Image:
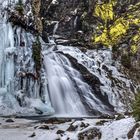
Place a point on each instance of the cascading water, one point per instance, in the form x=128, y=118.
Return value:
x=22, y=92
x=63, y=95
x=64, y=82
x=117, y=86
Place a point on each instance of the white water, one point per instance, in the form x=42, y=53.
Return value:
x=63, y=95
x=117, y=86
x=63, y=84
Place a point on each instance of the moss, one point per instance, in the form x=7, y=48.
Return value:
x=118, y=29
x=134, y=49
x=135, y=43
x=114, y=28
x=136, y=21
x=105, y=11
x=103, y=38
x=37, y=54
x=112, y=35
x=136, y=37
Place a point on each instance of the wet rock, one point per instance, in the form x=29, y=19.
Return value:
x=132, y=131
x=55, y=121
x=84, y=125
x=105, y=116
x=9, y=120
x=102, y=122
x=60, y=132
x=32, y=135
x=72, y=127
x=78, y=119
x=35, y=127
x=21, y=21
x=44, y=127
x=120, y=116
x=91, y=134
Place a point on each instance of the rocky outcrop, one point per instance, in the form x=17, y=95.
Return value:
x=90, y=134
x=130, y=134
x=21, y=21
x=69, y=15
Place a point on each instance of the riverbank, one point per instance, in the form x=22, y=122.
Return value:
x=68, y=129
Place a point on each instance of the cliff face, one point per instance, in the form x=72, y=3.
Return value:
x=69, y=14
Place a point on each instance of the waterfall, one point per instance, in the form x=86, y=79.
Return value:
x=63, y=84
x=59, y=89
x=63, y=95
